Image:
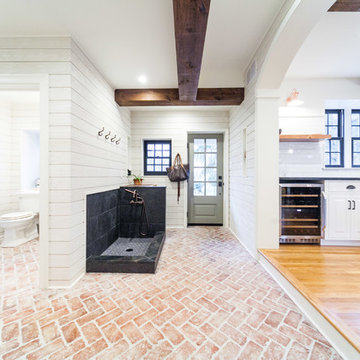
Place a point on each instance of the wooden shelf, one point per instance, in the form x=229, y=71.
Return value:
x=304, y=138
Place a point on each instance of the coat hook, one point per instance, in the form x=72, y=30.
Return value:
x=118, y=141
x=108, y=135
x=113, y=138
x=100, y=133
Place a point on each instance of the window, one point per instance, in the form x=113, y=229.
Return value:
x=355, y=138
x=205, y=167
x=334, y=147
x=157, y=156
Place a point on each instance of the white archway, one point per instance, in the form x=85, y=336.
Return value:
x=292, y=26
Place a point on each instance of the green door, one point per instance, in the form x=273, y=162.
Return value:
x=205, y=195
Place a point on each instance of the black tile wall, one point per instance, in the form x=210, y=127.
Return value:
x=110, y=215
x=130, y=215
x=102, y=221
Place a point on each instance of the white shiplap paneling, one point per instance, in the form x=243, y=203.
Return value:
x=81, y=103
x=173, y=125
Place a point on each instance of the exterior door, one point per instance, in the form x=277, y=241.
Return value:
x=205, y=202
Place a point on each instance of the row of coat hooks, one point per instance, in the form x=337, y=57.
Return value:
x=109, y=136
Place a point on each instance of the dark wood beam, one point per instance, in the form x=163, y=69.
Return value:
x=170, y=97
x=190, y=20
x=346, y=5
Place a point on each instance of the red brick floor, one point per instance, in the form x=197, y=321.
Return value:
x=208, y=300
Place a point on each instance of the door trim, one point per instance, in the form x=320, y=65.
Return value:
x=225, y=133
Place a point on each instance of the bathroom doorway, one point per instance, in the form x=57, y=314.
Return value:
x=24, y=167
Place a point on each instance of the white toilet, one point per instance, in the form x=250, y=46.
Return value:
x=22, y=226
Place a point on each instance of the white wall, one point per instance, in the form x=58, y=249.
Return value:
x=172, y=124
x=22, y=117
x=242, y=180
x=5, y=162
x=307, y=159
x=81, y=103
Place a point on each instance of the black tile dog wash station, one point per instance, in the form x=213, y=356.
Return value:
x=125, y=229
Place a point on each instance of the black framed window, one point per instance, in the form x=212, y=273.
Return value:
x=355, y=138
x=334, y=147
x=157, y=156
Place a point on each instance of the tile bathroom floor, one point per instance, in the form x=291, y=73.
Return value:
x=209, y=299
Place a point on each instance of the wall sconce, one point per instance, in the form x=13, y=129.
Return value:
x=293, y=99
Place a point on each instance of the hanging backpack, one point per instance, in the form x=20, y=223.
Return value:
x=178, y=172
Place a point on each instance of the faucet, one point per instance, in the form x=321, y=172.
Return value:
x=136, y=199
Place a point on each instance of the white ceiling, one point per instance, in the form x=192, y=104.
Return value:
x=331, y=50
x=127, y=38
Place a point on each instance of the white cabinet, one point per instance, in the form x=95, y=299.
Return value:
x=342, y=211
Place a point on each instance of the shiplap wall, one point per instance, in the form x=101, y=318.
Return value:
x=243, y=185
x=173, y=125
x=5, y=162
x=242, y=180
x=81, y=103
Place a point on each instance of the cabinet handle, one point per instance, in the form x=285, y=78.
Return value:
x=351, y=187
x=354, y=205
x=349, y=208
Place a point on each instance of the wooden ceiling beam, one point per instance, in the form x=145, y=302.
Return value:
x=170, y=97
x=190, y=20
x=346, y=5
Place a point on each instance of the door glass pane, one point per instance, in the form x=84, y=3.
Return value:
x=199, y=189
x=166, y=162
x=166, y=153
x=199, y=160
x=150, y=161
x=158, y=153
x=166, y=147
x=150, y=146
x=199, y=145
x=157, y=168
x=211, y=174
x=211, y=189
x=211, y=145
x=158, y=161
x=158, y=146
x=150, y=168
x=211, y=160
x=199, y=174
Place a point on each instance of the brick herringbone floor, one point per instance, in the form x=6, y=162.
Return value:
x=208, y=299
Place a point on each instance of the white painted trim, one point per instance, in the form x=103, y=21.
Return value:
x=342, y=346
x=243, y=244
x=41, y=81
x=339, y=243
x=68, y=286
x=226, y=203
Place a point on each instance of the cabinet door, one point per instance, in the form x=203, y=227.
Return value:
x=355, y=218
x=338, y=216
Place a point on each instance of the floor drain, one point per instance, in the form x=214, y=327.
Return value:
x=128, y=250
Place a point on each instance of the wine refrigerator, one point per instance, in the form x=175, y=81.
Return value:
x=301, y=213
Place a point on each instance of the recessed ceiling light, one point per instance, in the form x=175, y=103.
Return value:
x=142, y=79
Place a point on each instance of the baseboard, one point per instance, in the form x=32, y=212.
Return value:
x=342, y=346
x=339, y=243
x=252, y=254
x=67, y=286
